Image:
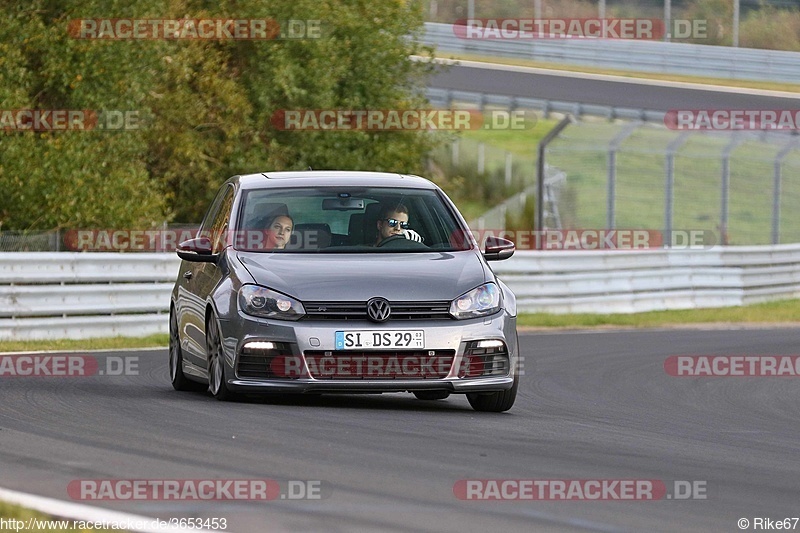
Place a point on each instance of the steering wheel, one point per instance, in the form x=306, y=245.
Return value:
x=393, y=238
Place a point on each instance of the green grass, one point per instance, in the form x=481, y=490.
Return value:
x=111, y=343
x=9, y=511
x=472, y=209
x=518, y=142
x=475, y=194
x=746, y=84
x=782, y=311
x=581, y=151
x=522, y=144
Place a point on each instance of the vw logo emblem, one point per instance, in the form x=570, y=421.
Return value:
x=378, y=310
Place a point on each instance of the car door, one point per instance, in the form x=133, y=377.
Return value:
x=197, y=280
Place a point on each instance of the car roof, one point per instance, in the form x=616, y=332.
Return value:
x=323, y=178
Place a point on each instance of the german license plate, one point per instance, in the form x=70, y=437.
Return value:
x=360, y=339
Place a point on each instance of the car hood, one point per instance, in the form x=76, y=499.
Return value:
x=359, y=277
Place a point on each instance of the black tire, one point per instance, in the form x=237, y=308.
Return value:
x=431, y=395
x=179, y=380
x=494, y=402
x=216, y=363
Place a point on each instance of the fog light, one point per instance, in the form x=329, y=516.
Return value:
x=258, y=346
x=490, y=344
x=483, y=358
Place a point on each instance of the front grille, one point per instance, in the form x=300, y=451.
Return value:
x=388, y=364
x=484, y=361
x=432, y=310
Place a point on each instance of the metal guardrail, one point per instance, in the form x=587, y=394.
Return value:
x=446, y=97
x=52, y=295
x=636, y=281
x=81, y=295
x=636, y=55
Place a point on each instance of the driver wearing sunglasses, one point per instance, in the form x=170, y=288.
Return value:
x=393, y=221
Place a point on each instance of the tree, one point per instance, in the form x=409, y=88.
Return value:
x=204, y=106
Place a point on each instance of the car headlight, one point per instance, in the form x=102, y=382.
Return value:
x=480, y=301
x=266, y=303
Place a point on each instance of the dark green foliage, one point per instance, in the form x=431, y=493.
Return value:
x=205, y=105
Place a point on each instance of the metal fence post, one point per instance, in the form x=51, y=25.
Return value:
x=725, y=188
x=454, y=154
x=611, y=188
x=669, y=187
x=552, y=134
x=776, y=190
x=508, y=169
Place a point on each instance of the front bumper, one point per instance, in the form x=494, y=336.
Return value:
x=315, y=336
x=458, y=386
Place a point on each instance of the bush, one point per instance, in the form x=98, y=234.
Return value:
x=771, y=29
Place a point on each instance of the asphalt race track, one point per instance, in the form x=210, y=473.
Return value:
x=598, y=90
x=594, y=405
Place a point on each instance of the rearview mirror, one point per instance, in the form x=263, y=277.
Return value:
x=498, y=248
x=197, y=250
x=343, y=204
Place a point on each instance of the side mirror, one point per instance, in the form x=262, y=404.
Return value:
x=498, y=248
x=197, y=250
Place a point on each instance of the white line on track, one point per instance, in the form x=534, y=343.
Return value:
x=99, y=350
x=82, y=512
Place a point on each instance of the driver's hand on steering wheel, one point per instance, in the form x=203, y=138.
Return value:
x=412, y=235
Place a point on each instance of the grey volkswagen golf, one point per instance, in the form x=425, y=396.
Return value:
x=322, y=282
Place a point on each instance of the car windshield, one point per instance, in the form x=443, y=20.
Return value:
x=348, y=220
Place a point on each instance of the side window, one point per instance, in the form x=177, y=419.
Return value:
x=213, y=210
x=219, y=224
